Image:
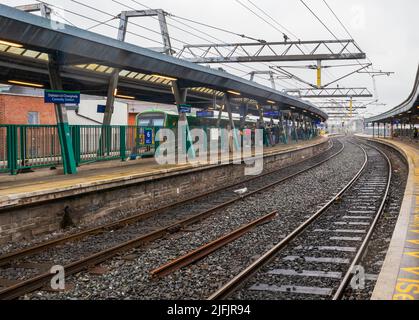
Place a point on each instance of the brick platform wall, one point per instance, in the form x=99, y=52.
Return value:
x=27, y=222
x=14, y=109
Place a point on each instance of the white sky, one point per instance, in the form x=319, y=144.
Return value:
x=385, y=29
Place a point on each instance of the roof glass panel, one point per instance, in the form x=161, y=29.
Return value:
x=92, y=66
x=102, y=68
x=43, y=56
x=31, y=53
x=124, y=73
x=15, y=50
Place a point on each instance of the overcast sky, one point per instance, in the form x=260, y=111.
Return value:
x=385, y=29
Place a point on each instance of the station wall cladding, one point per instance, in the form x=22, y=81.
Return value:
x=127, y=197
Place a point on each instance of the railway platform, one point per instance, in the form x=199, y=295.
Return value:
x=399, y=277
x=101, y=189
x=14, y=189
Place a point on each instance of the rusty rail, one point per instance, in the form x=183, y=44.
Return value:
x=208, y=248
x=9, y=257
x=40, y=280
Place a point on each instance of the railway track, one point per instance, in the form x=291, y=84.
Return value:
x=27, y=270
x=319, y=258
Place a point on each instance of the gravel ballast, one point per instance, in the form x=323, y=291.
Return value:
x=128, y=276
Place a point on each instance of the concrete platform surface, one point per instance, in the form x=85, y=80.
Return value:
x=42, y=186
x=399, y=277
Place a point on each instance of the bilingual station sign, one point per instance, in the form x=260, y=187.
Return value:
x=61, y=96
x=205, y=114
x=271, y=114
x=185, y=108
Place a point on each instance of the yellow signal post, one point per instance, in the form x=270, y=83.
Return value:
x=319, y=73
x=350, y=108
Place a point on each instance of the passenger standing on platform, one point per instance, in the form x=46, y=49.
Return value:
x=415, y=133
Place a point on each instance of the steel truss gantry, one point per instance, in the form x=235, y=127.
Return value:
x=272, y=51
x=331, y=92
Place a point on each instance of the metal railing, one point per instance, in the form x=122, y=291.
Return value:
x=35, y=146
x=23, y=147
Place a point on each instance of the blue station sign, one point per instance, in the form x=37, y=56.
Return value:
x=61, y=96
x=271, y=114
x=101, y=108
x=205, y=114
x=185, y=108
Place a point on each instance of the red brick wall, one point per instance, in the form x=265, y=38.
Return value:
x=15, y=109
x=1, y=109
x=131, y=119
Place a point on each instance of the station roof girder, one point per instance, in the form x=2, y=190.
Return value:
x=76, y=47
x=409, y=109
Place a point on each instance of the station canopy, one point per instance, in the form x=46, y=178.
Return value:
x=87, y=61
x=406, y=112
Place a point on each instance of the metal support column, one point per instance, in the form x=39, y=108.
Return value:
x=262, y=126
x=113, y=81
x=319, y=73
x=220, y=113
x=244, y=109
x=294, y=129
x=284, y=127
x=384, y=130
x=236, y=143
x=180, y=98
x=391, y=129
x=67, y=152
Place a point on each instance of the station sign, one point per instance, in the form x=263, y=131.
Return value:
x=271, y=114
x=205, y=114
x=148, y=136
x=61, y=96
x=242, y=111
x=185, y=108
x=101, y=108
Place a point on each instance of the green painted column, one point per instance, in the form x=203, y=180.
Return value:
x=180, y=98
x=11, y=142
x=67, y=152
x=123, y=142
x=236, y=143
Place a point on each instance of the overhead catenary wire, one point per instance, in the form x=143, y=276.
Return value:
x=349, y=33
x=206, y=25
x=135, y=24
x=171, y=15
x=260, y=17
x=173, y=38
x=274, y=20
x=279, y=24
x=106, y=23
x=97, y=21
x=101, y=23
x=327, y=28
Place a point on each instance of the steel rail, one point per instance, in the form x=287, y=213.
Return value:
x=208, y=248
x=340, y=291
x=239, y=280
x=6, y=258
x=37, y=282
